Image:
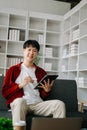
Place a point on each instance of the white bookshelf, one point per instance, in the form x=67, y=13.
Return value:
x=17, y=26
x=74, y=47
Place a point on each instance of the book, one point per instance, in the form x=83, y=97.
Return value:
x=45, y=78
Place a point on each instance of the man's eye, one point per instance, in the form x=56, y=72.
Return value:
x=29, y=49
x=35, y=50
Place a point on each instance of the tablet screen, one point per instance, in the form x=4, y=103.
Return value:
x=46, y=77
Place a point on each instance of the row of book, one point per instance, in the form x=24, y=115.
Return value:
x=66, y=67
x=40, y=38
x=13, y=61
x=82, y=82
x=14, y=34
x=75, y=34
x=73, y=50
x=48, y=52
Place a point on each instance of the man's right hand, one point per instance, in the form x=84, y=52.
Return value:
x=25, y=81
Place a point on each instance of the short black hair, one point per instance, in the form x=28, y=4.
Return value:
x=33, y=43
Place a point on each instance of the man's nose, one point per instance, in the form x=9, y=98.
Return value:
x=32, y=52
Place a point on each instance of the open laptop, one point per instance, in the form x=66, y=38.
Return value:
x=56, y=123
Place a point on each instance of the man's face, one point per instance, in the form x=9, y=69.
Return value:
x=30, y=53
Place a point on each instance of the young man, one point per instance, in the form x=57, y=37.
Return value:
x=18, y=89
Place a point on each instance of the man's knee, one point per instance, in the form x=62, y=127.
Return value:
x=19, y=102
x=60, y=105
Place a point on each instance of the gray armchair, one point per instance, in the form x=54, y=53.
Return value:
x=65, y=90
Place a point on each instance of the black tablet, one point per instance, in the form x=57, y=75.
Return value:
x=46, y=77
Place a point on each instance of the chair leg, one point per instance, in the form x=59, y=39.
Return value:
x=81, y=106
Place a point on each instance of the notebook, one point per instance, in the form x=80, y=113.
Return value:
x=56, y=123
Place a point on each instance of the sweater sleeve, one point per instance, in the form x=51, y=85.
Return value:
x=9, y=86
x=44, y=94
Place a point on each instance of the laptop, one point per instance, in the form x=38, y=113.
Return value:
x=56, y=123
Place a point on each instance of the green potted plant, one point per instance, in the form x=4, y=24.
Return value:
x=36, y=61
x=5, y=123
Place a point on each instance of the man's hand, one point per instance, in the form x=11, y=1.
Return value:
x=25, y=81
x=47, y=86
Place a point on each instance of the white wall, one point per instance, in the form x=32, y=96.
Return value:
x=45, y=6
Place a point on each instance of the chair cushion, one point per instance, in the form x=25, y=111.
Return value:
x=65, y=90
